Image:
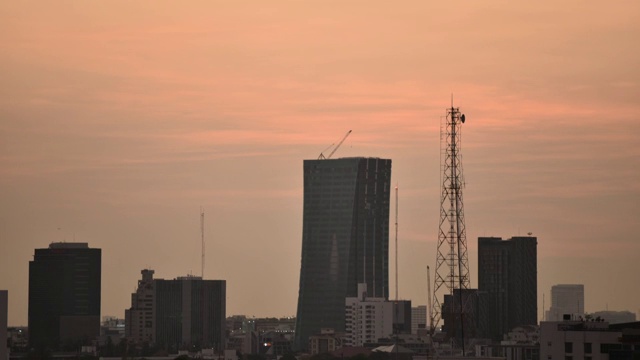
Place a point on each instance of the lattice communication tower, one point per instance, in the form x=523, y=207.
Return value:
x=452, y=264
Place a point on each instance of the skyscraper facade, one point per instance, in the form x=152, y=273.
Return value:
x=507, y=284
x=64, y=296
x=345, y=239
x=566, y=299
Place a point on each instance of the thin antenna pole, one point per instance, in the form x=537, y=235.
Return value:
x=396, y=242
x=202, y=236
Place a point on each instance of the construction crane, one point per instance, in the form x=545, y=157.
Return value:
x=322, y=157
x=429, y=326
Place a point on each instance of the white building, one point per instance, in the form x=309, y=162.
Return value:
x=566, y=299
x=367, y=319
x=589, y=340
x=418, y=318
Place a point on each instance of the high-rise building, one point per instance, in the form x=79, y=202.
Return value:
x=566, y=299
x=507, y=284
x=64, y=296
x=345, y=239
x=173, y=314
x=4, y=312
x=139, y=325
x=367, y=318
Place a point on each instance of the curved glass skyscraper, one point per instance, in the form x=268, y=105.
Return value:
x=345, y=239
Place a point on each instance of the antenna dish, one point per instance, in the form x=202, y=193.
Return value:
x=462, y=118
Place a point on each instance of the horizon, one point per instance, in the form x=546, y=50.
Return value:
x=120, y=121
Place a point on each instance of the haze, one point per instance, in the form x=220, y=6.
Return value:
x=119, y=120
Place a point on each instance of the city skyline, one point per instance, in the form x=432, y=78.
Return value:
x=119, y=121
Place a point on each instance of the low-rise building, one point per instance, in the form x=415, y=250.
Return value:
x=589, y=340
x=325, y=342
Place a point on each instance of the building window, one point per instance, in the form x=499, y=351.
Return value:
x=568, y=348
x=587, y=348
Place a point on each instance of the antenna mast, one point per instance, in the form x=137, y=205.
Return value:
x=396, y=242
x=202, y=236
x=452, y=265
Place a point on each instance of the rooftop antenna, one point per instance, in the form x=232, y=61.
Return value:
x=202, y=236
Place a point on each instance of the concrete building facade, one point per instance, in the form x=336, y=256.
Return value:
x=367, y=319
x=589, y=340
x=507, y=285
x=64, y=296
x=566, y=299
x=324, y=342
x=183, y=313
x=345, y=239
x=139, y=320
x=418, y=318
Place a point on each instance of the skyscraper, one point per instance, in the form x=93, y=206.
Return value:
x=566, y=299
x=183, y=312
x=507, y=284
x=64, y=296
x=345, y=239
x=4, y=308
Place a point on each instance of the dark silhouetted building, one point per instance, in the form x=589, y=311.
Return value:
x=64, y=296
x=402, y=323
x=4, y=313
x=183, y=313
x=507, y=285
x=345, y=239
x=455, y=326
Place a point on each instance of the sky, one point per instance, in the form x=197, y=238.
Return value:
x=120, y=120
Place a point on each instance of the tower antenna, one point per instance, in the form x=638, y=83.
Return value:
x=396, y=242
x=202, y=236
x=452, y=265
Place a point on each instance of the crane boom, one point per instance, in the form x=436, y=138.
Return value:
x=429, y=315
x=340, y=143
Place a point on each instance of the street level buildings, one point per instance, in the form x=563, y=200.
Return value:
x=507, y=285
x=592, y=340
x=184, y=313
x=345, y=239
x=64, y=296
x=566, y=299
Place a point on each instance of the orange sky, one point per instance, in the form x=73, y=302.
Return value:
x=118, y=120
